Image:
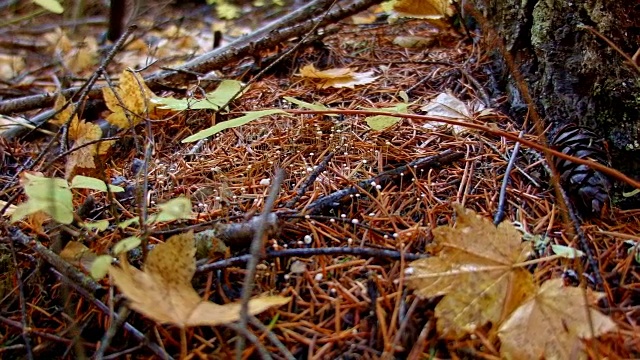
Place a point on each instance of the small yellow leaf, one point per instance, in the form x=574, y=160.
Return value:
x=63, y=116
x=338, y=77
x=428, y=9
x=551, y=324
x=135, y=96
x=163, y=291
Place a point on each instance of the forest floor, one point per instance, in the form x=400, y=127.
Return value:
x=341, y=244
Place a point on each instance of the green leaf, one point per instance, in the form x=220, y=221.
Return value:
x=50, y=5
x=85, y=182
x=248, y=117
x=631, y=193
x=212, y=101
x=100, y=225
x=100, y=266
x=306, y=105
x=125, y=224
x=566, y=251
x=126, y=245
x=51, y=195
x=381, y=122
x=174, y=209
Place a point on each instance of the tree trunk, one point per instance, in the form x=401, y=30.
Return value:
x=573, y=75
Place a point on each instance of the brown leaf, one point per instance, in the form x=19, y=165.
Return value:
x=337, y=78
x=476, y=269
x=163, y=291
x=551, y=324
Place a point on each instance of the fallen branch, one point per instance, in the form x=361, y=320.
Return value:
x=270, y=36
x=333, y=200
x=355, y=251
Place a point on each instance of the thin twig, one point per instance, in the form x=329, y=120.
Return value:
x=111, y=331
x=329, y=251
x=157, y=350
x=310, y=180
x=584, y=244
x=246, y=334
x=333, y=199
x=257, y=249
x=55, y=260
x=23, y=306
x=500, y=213
x=272, y=337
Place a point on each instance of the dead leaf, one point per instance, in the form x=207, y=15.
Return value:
x=427, y=9
x=337, y=77
x=79, y=255
x=10, y=66
x=163, y=290
x=475, y=269
x=447, y=106
x=63, y=116
x=135, y=96
x=551, y=324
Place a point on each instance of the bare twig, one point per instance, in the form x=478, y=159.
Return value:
x=499, y=216
x=257, y=248
x=359, y=251
x=271, y=336
x=23, y=306
x=157, y=350
x=309, y=181
x=334, y=198
x=56, y=261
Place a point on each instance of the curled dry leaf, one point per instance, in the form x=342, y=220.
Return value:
x=551, y=324
x=476, y=271
x=337, y=78
x=163, y=291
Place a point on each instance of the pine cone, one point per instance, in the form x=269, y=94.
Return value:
x=588, y=188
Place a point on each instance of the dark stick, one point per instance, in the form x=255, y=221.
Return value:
x=312, y=177
x=333, y=199
x=584, y=244
x=111, y=331
x=128, y=327
x=23, y=306
x=499, y=216
x=68, y=270
x=359, y=251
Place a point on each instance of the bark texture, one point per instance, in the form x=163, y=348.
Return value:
x=573, y=75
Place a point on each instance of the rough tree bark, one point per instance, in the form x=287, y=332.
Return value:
x=573, y=75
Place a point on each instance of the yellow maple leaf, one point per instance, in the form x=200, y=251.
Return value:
x=163, y=291
x=135, y=96
x=477, y=270
x=337, y=77
x=551, y=324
